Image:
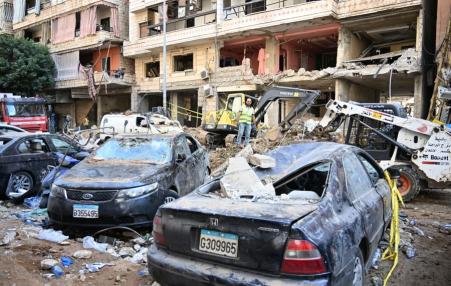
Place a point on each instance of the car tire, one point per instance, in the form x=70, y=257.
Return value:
x=358, y=278
x=172, y=196
x=408, y=183
x=21, y=180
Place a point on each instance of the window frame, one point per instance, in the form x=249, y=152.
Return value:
x=174, y=60
x=353, y=195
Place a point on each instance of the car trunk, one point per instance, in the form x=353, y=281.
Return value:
x=260, y=228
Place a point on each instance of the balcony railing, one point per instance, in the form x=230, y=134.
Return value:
x=147, y=30
x=256, y=6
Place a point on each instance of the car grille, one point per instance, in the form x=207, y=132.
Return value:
x=97, y=196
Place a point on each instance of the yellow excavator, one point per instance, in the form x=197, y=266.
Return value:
x=221, y=123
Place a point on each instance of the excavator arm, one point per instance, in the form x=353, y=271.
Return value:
x=307, y=98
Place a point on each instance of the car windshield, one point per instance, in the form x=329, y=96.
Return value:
x=25, y=109
x=146, y=150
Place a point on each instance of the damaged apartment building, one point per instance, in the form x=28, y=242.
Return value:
x=367, y=51
x=85, y=39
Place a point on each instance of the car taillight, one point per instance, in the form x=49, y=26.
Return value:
x=302, y=258
x=157, y=231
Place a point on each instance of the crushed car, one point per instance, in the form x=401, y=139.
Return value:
x=26, y=158
x=321, y=227
x=126, y=179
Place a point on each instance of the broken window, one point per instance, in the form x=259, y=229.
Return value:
x=153, y=69
x=254, y=6
x=33, y=146
x=181, y=147
x=357, y=180
x=62, y=146
x=370, y=168
x=191, y=144
x=106, y=64
x=77, y=24
x=183, y=62
x=308, y=183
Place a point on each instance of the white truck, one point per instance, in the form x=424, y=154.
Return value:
x=137, y=123
x=421, y=149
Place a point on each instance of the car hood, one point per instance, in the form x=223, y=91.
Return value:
x=112, y=174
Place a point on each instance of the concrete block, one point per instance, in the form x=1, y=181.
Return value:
x=262, y=161
x=240, y=180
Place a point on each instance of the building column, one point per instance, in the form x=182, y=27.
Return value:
x=349, y=46
x=138, y=102
x=418, y=96
x=342, y=89
x=173, y=98
x=99, y=109
x=272, y=50
x=219, y=11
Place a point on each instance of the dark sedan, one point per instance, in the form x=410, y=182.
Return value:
x=331, y=208
x=126, y=180
x=25, y=159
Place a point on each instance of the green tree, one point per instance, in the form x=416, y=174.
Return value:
x=26, y=68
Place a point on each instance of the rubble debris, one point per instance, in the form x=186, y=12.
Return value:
x=82, y=254
x=376, y=281
x=52, y=235
x=262, y=161
x=445, y=228
x=96, y=266
x=89, y=242
x=240, y=180
x=376, y=259
x=48, y=263
x=245, y=153
x=126, y=251
x=9, y=237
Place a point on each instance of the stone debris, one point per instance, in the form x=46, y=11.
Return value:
x=240, y=180
x=48, y=263
x=262, y=161
x=126, y=251
x=82, y=254
x=9, y=237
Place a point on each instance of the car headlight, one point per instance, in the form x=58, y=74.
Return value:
x=56, y=191
x=136, y=192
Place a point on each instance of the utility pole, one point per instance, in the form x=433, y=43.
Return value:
x=164, y=54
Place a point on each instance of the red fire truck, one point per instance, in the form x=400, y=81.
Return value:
x=28, y=113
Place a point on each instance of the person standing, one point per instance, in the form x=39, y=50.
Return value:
x=245, y=119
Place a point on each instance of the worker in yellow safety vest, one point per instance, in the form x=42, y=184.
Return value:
x=245, y=119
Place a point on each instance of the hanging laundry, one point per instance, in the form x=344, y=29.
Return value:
x=88, y=72
x=66, y=65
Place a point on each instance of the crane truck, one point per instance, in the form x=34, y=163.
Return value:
x=421, y=149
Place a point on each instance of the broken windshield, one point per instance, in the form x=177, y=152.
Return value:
x=25, y=109
x=147, y=150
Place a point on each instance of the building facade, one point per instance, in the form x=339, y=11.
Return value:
x=6, y=17
x=85, y=39
x=349, y=49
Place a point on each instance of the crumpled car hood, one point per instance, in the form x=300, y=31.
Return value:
x=111, y=175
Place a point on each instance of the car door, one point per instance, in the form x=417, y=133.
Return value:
x=200, y=161
x=184, y=162
x=380, y=184
x=34, y=159
x=364, y=197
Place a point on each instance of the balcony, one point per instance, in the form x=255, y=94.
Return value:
x=126, y=80
x=351, y=8
x=49, y=11
x=195, y=27
x=259, y=14
x=77, y=43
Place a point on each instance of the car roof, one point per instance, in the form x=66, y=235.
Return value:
x=295, y=156
x=144, y=136
x=18, y=135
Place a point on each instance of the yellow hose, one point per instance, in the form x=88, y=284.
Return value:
x=393, y=247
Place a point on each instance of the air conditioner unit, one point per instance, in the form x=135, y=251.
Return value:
x=204, y=74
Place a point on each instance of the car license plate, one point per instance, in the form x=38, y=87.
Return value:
x=220, y=243
x=86, y=211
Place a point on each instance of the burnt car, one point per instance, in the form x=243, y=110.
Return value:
x=322, y=226
x=25, y=158
x=126, y=179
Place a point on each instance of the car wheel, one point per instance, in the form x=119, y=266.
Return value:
x=172, y=196
x=358, y=270
x=408, y=183
x=22, y=184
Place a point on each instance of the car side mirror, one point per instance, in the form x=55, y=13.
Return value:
x=180, y=158
x=394, y=173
